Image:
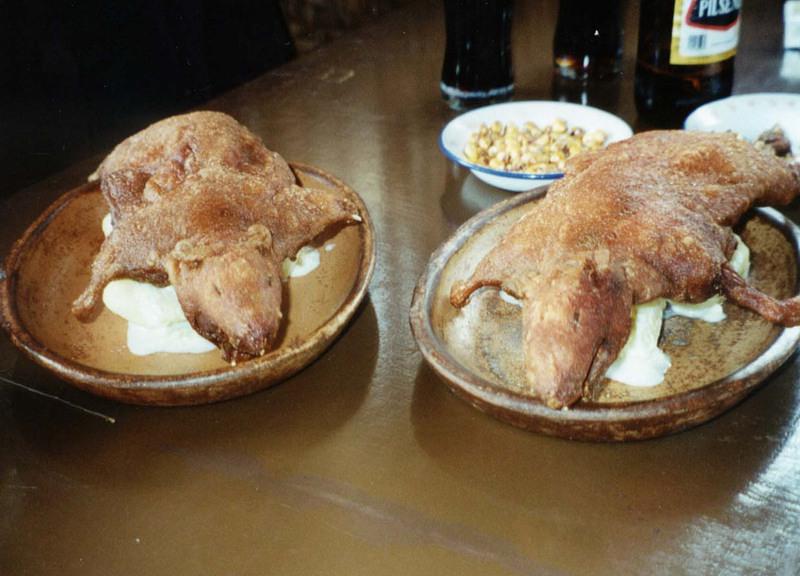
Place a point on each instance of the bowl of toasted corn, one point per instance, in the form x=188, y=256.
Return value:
x=519, y=146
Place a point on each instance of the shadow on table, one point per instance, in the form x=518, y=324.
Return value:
x=687, y=474
x=264, y=428
x=464, y=195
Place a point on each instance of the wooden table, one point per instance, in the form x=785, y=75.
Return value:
x=364, y=463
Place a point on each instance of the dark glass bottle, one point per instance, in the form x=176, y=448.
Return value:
x=685, y=58
x=588, y=38
x=477, y=59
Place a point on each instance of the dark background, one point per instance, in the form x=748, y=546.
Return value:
x=79, y=76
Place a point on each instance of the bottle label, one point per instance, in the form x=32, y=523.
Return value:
x=704, y=31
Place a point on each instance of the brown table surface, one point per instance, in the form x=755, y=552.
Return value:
x=364, y=463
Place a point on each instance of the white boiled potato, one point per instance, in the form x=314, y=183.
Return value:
x=176, y=338
x=641, y=362
x=142, y=303
x=305, y=262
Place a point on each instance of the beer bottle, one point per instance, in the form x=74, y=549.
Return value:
x=588, y=39
x=685, y=56
x=477, y=58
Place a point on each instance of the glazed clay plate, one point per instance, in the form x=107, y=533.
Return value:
x=477, y=350
x=49, y=266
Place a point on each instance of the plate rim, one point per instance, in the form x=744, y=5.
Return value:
x=710, y=106
x=587, y=421
x=240, y=379
x=549, y=176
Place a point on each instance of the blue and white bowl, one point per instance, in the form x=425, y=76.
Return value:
x=457, y=132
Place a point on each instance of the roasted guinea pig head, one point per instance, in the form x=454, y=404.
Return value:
x=645, y=218
x=197, y=201
x=241, y=275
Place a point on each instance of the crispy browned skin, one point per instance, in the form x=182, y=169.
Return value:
x=645, y=218
x=154, y=161
x=199, y=202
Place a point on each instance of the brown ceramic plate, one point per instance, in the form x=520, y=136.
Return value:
x=477, y=350
x=49, y=266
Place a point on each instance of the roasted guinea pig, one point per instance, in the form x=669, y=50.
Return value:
x=198, y=201
x=645, y=218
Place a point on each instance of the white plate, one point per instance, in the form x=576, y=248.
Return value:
x=457, y=132
x=750, y=115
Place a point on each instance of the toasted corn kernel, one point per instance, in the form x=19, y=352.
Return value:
x=530, y=148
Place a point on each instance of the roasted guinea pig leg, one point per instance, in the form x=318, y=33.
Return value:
x=220, y=239
x=645, y=218
x=784, y=312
